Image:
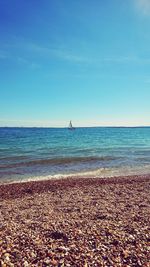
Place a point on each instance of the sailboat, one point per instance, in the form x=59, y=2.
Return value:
x=71, y=126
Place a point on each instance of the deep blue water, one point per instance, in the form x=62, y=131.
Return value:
x=39, y=153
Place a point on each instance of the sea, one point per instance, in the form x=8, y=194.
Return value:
x=28, y=154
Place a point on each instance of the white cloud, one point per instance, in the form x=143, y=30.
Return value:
x=143, y=6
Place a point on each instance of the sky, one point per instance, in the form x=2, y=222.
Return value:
x=85, y=61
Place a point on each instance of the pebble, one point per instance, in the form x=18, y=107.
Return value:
x=25, y=264
x=44, y=230
x=65, y=249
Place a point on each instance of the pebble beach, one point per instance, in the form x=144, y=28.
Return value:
x=76, y=222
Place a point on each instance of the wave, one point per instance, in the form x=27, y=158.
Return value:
x=58, y=161
x=97, y=173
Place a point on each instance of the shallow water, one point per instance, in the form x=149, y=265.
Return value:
x=40, y=153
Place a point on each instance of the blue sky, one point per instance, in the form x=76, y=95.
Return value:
x=84, y=60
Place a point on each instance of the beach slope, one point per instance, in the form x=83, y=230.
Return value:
x=76, y=222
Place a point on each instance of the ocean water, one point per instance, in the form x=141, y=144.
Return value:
x=45, y=153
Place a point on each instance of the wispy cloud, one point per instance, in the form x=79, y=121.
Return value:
x=120, y=59
x=27, y=62
x=38, y=51
x=66, y=54
x=127, y=60
x=22, y=60
x=59, y=52
x=31, y=54
x=143, y=6
x=62, y=53
x=9, y=54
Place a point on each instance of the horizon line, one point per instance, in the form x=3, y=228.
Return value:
x=97, y=126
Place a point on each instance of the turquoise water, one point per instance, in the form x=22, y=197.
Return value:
x=41, y=153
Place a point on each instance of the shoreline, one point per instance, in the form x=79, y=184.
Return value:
x=100, y=173
x=76, y=222
x=18, y=189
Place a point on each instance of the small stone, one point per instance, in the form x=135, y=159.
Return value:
x=6, y=255
x=3, y=264
x=25, y=264
x=62, y=248
x=33, y=255
x=47, y=261
x=53, y=262
x=61, y=261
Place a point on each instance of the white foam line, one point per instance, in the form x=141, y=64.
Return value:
x=99, y=173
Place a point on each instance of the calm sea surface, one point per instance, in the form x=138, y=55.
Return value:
x=41, y=153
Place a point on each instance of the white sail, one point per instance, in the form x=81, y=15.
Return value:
x=71, y=126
